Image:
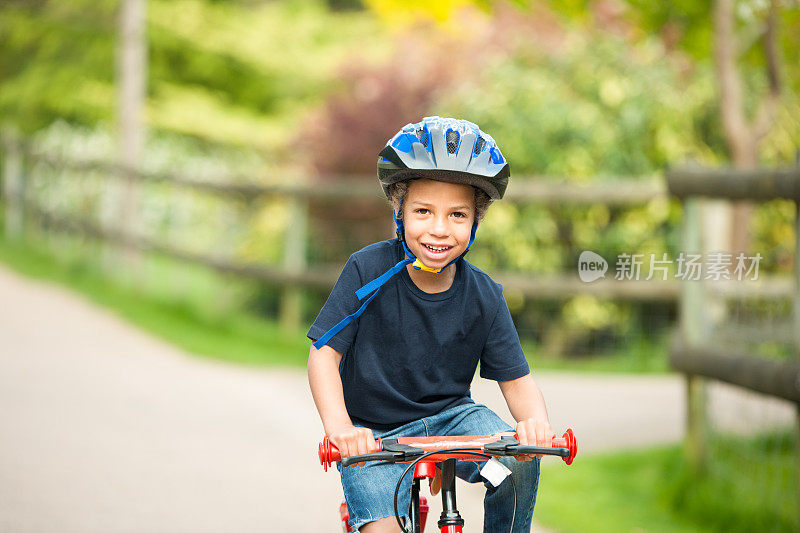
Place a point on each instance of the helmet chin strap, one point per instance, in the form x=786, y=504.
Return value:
x=375, y=285
x=419, y=265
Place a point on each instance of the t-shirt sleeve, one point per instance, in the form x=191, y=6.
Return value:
x=502, y=358
x=341, y=302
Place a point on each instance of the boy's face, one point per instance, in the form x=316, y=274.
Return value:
x=438, y=219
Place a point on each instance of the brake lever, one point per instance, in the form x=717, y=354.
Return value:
x=392, y=451
x=375, y=456
x=510, y=446
x=501, y=447
x=537, y=450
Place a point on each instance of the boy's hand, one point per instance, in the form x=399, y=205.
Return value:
x=353, y=440
x=533, y=432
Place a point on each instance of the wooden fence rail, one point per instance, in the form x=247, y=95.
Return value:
x=525, y=189
x=735, y=184
x=546, y=287
x=295, y=273
x=768, y=376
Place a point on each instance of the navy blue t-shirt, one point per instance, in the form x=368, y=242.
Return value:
x=413, y=354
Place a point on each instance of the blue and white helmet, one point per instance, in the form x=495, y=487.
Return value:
x=444, y=149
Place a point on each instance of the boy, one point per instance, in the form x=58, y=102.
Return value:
x=404, y=366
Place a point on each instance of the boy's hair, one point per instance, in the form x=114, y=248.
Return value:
x=397, y=195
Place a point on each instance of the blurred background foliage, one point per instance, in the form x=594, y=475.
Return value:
x=292, y=90
x=307, y=91
x=227, y=72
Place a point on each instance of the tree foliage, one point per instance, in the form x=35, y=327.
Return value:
x=56, y=62
x=230, y=72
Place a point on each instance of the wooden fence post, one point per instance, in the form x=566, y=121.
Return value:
x=294, y=260
x=132, y=94
x=693, y=326
x=796, y=313
x=13, y=185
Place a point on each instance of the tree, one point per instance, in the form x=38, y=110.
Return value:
x=742, y=39
x=743, y=135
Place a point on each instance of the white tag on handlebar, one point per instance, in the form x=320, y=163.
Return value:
x=495, y=472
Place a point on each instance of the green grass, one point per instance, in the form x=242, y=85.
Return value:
x=750, y=485
x=615, y=493
x=653, y=490
x=210, y=329
x=636, y=356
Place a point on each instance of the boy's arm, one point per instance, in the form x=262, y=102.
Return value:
x=526, y=404
x=326, y=388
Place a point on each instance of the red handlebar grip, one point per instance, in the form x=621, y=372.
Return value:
x=567, y=441
x=328, y=453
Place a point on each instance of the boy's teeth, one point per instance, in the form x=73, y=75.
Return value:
x=437, y=248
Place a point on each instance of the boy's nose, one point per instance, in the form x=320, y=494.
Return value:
x=440, y=227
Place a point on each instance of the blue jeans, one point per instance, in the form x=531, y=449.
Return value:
x=369, y=489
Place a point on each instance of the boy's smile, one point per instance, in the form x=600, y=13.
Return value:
x=438, y=218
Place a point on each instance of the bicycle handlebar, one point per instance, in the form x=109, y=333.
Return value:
x=406, y=449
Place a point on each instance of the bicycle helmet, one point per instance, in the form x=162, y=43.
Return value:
x=442, y=149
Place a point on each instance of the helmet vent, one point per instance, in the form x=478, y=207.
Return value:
x=452, y=141
x=422, y=135
x=479, y=145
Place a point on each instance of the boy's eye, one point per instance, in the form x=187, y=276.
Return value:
x=459, y=214
x=421, y=211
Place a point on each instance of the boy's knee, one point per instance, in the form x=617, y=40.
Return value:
x=383, y=525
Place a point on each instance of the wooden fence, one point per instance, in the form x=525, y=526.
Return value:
x=690, y=352
x=294, y=272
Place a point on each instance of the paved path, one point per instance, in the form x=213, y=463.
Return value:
x=105, y=429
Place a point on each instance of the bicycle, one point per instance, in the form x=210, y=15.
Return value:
x=423, y=453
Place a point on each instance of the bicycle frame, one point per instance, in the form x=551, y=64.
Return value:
x=418, y=505
x=432, y=450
